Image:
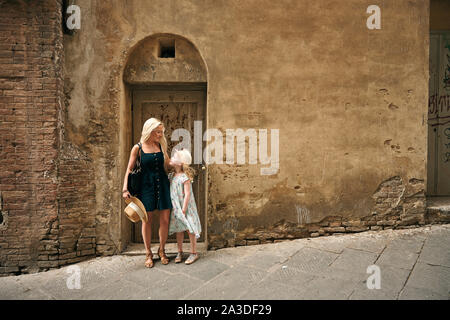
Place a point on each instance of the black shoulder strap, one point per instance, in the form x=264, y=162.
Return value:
x=140, y=153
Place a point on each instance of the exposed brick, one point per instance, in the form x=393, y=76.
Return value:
x=356, y=229
x=31, y=93
x=334, y=229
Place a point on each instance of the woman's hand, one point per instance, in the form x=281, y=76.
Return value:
x=126, y=194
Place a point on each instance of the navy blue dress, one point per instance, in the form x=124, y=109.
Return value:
x=155, y=187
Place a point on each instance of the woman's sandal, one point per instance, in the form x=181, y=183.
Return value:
x=179, y=257
x=162, y=256
x=149, y=260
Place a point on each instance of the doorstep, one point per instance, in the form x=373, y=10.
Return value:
x=138, y=249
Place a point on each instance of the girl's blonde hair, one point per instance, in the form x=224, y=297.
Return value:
x=186, y=159
x=150, y=125
x=190, y=172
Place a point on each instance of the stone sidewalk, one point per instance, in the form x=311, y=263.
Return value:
x=413, y=264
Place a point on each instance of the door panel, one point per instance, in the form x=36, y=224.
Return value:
x=439, y=116
x=175, y=109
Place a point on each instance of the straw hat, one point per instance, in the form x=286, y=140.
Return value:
x=135, y=210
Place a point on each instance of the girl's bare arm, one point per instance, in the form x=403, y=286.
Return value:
x=187, y=195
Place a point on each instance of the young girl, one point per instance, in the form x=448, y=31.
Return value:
x=184, y=216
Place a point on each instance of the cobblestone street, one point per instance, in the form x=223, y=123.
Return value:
x=413, y=264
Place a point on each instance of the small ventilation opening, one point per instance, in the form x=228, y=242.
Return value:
x=166, y=48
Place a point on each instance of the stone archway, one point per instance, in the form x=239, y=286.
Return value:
x=164, y=77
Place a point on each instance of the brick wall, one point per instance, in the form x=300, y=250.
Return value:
x=44, y=183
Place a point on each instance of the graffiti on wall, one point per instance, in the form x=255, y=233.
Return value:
x=303, y=215
x=438, y=104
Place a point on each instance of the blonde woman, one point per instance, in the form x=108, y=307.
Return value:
x=155, y=187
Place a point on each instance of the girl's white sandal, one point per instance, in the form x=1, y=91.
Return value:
x=192, y=258
x=179, y=257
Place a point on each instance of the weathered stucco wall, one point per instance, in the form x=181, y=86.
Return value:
x=350, y=103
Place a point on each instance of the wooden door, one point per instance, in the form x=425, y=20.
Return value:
x=439, y=116
x=175, y=108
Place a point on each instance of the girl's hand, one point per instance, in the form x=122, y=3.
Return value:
x=126, y=194
x=184, y=211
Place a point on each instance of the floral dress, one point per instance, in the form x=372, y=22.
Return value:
x=178, y=221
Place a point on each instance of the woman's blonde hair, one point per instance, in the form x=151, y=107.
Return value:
x=150, y=125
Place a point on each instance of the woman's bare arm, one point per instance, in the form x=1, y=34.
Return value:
x=131, y=164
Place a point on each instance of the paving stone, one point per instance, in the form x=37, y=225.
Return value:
x=170, y=268
x=392, y=281
x=11, y=288
x=173, y=287
x=262, y=260
x=58, y=286
x=368, y=244
x=351, y=265
x=290, y=276
x=412, y=293
x=348, y=275
x=433, y=278
x=229, y=256
x=271, y=290
x=93, y=273
x=398, y=258
x=203, y=269
x=407, y=244
x=436, y=255
x=116, y=290
x=335, y=245
x=229, y=284
x=46, y=284
x=438, y=237
x=284, y=249
x=373, y=294
x=36, y=295
x=122, y=263
x=355, y=260
x=311, y=260
x=325, y=288
x=146, y=277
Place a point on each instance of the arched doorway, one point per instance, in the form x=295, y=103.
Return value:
x=165, y=77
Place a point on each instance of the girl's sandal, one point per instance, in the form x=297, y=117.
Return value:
x=162, y=256
x=179, y=257
x=192, y=258
x=149, y=260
